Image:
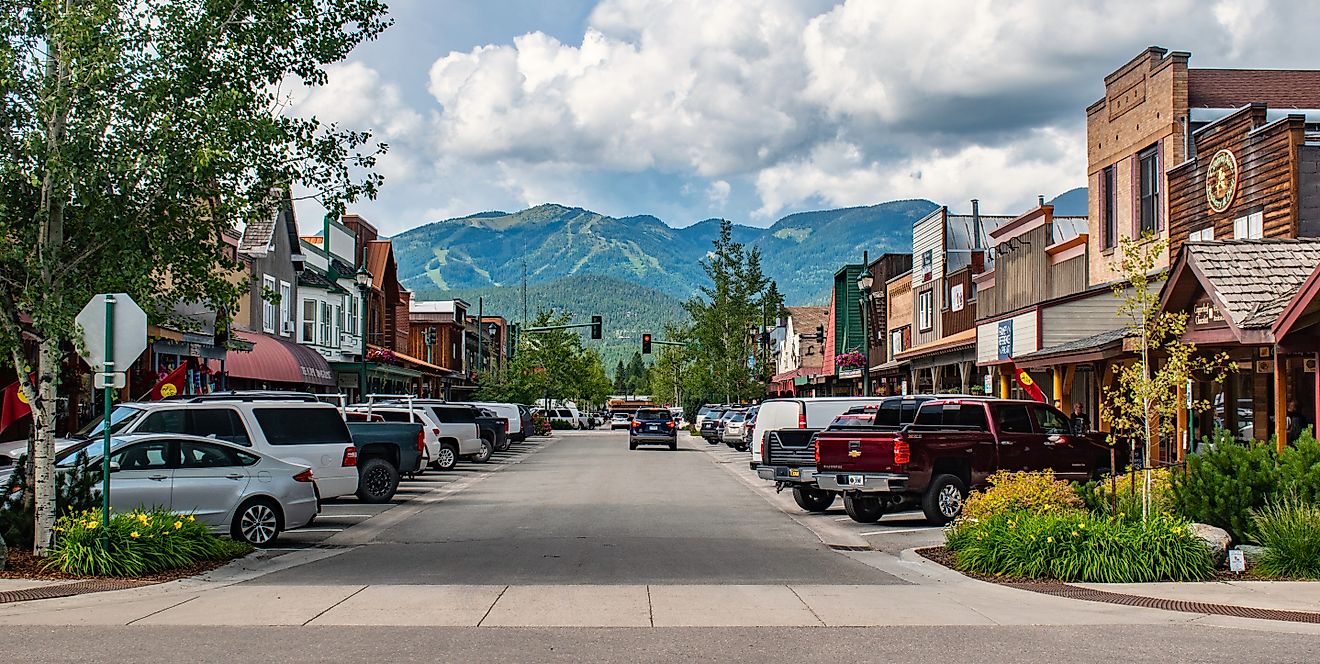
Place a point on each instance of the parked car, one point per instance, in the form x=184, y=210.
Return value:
x=732, y=434
x=949, y=449
x=706, y=411
x=517, y=429
x=232, y=489
x=653, y=426
x=712, y=427
x=620, y=421
x=452, y=429
x=749, y=425
x=799, y=413
x=787, y=456
x=567, y=414
x=493, y=429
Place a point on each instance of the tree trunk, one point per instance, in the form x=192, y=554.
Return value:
x=43, y=453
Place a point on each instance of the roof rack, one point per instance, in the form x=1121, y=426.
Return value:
x=246, y=396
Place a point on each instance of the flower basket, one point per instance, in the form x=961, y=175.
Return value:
x=853, y=360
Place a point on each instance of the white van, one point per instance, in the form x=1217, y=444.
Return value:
x=800, y=413
x=508, y=411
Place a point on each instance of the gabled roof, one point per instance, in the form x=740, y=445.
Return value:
x=258, y=234
x=312, y=278
x=380, y=253
x=1253, y=280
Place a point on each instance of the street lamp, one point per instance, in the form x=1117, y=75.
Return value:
x=363, y=279
x=864, y=284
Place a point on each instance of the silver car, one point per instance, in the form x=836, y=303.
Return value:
x=230, y=488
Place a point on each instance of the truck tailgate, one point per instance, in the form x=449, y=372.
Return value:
x=857, y=451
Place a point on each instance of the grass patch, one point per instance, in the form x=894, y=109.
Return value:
x=1289, y=529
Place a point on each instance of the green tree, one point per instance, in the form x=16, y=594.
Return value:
x=724, y=321
x=136, y=133
x=553, y=364
x=669, y=374
x=1143, y=404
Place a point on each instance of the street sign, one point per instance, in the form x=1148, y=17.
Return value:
x=128, y=323
x=114, y=380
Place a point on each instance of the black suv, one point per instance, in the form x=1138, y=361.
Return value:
x=653, y=426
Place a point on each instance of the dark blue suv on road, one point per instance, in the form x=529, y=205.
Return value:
x=653, y=426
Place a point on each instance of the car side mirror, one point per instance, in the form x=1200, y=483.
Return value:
x=114, y=467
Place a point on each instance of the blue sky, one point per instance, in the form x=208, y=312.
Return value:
x=754, y=109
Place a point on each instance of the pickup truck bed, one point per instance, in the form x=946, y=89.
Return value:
x=385, y=450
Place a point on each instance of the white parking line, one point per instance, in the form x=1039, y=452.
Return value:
x=842, y=518
x=317, y=530
x=348, y=516
x=900, y=530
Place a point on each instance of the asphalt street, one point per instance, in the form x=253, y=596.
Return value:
x=587, y=510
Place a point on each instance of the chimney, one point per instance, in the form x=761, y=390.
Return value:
x=1040, y=200
x=976, y=224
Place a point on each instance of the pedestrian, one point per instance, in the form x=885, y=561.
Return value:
x=1081, y=424
x=1296, y=422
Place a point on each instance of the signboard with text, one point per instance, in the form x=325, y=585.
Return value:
x=1004, y=340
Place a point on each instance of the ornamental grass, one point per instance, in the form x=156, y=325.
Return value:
x=136, y=543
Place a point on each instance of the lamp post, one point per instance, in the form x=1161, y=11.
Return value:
x=864, y=284
x=363, y=279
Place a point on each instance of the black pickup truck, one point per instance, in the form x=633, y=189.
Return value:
x=494, y=429
x=385, y=450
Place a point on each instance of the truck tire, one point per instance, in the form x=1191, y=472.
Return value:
x=377, y=481
x=863, y=508
x=943, y=500
x=811, y=499
x=632, y=444
x=505, y=447
x=446, y=458
x=487, y=449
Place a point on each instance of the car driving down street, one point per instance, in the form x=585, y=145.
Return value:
x=653, y=426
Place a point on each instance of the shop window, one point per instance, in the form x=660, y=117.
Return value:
x=1108, y=208
x=268, y=309
x=1250, y=227
x=1149, y=176
x=926, y=309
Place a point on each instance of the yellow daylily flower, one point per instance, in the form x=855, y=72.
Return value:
x=133, y=534
x=178, y=525
x=91, y=525
x=1050, y=540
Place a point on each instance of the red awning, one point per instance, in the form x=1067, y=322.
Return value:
x=278, y=361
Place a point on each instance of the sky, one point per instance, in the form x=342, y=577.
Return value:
x=754, y=109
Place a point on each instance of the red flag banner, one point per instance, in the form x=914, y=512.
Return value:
x=1029, y=384
x=171, y=384
x=13, y=406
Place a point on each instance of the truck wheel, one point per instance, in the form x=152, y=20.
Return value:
x=377, y=481
x=863, y=508
x=673, y=445
x=486, y=450
x=943, y=501
x=712, y=442
x=813, y=500
x=632, y=444
x=446, y=458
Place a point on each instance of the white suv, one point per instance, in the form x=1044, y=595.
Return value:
x=450, y=430
x=296, y=430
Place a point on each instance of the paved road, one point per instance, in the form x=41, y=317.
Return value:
x=586, y=510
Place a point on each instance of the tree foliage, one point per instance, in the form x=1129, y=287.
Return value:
x=725, y=319
x=136, y=132
x=553, y=364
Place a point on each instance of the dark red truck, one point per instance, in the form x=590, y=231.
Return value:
x=951, y=447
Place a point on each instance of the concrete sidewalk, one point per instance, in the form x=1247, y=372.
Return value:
x=1280, y=595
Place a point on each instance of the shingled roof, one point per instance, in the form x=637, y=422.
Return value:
x=1234, y=88
x=1255, y=279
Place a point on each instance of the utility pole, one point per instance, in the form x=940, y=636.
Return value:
x=524, y=290
x=481, y=332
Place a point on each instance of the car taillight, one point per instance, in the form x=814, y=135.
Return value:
x=304, y=476
x=902, y=453
x=350, y=457
x=671, y=424
x=802, y=420
x=506, y=426
x=421, y=442
x=636, y=424
x=765, y=447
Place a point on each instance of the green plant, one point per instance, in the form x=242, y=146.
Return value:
x=1299, y=468
x=1224, y=483
x=76, y=489
x=1289, y=529
x=1036, y=492
x=138, y=543
x=1121, y=495
x=1079, y=547
x=561, y=425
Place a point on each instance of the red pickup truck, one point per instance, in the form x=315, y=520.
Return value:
x=951, y=447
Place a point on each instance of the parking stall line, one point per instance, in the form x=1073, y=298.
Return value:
x=899, y=530
x=317, y=530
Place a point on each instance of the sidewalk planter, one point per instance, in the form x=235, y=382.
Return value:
x=1079, y=547
x=140, y=543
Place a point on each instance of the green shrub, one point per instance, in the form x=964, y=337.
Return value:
x=561, y=425
x=1121, y=496
x=1222, y=485
x=1289, y=529
x=1299, y=469
x=139, y=543
x=1022, y=492
x=1079, y=547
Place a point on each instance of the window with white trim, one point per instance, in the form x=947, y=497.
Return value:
x=1203, y=235
x=1250, y=227
x=308, y=321
x=335, y=318
x=286, y=297
x=323, y=332
x=926, y=307
x=268, y=309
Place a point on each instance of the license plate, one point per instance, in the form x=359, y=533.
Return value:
x=652, y=428
x=794, y=472
x=856, y=480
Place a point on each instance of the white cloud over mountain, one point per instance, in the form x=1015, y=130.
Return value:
x=772, y=106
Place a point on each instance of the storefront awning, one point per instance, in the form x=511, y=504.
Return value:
x=416, y=363
x=890, y=367
x=959, y=340
x=1088, y=349
x=277, y=361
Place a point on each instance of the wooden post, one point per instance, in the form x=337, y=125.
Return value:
x=1180, y=432
x=1057, y=394
x=1280, y=399
x=1003, y=382
x=1315, y=422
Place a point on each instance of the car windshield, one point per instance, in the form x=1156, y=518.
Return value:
x=736, y=417
x=654, y=415
x=120, y=418
x=68, y=457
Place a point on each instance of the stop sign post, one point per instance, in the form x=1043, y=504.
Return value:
x=114, y=331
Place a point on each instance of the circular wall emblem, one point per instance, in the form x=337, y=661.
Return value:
x=168, y=390
x=1221, y=180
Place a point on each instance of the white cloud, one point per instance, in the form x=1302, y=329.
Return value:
x=813, y=102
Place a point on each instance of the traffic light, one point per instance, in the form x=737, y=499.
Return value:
x=596, y=331
x=820, y=333
x=646, y=344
